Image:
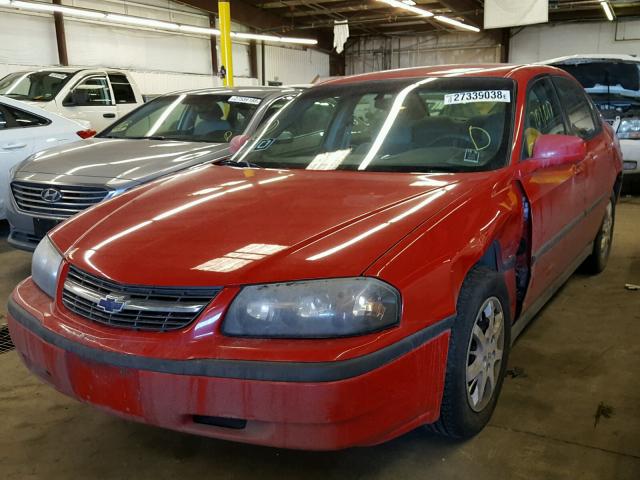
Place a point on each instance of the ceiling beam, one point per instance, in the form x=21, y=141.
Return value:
x=302, y=3
x=470, y=10
x=575, y=15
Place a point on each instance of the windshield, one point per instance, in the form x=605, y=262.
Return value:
x=433, y=124
x=188, y=117
x=613, y=85
x=34, y=86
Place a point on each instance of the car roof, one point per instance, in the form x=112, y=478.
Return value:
x=499, y=70
x=247, y=91
x=589, y=57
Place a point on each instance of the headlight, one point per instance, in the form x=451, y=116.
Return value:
x=45, y=266
x=629, y=128
x=313, y=309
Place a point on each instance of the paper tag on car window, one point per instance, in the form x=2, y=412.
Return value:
x=249, y=100
x=59, y=76
x=478, y=96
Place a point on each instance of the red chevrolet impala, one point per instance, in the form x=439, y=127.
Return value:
x=359, y=268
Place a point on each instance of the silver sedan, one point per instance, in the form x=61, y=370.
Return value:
x=171, y=133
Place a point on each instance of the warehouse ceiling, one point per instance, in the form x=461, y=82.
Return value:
x=375, y=17
x=315, y=18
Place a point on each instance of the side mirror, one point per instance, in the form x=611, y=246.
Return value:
x=555, y=150
x=238, y=142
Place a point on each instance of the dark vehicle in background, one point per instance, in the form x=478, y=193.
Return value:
x=171, y=133
x=613, y=83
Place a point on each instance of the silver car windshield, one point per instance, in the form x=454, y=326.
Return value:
x=188, y=117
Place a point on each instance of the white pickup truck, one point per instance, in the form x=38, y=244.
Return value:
x=97, y=96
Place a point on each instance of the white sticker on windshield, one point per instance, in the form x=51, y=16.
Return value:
x=249, y=100
x=478, y=96
x=59, y=76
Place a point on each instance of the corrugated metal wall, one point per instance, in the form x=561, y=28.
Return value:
x=542, y=42
x=370, y=54
x=294, y=65
x=160, y=61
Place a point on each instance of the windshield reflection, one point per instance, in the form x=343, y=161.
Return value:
x=425, y=125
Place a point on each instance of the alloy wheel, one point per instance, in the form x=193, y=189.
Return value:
x=484, y=354
x=607, y=232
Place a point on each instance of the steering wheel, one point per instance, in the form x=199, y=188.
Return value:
x=458, y=140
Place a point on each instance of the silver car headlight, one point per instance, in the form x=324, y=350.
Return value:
x=336, y=307
x=45, y=266
x=629, y=128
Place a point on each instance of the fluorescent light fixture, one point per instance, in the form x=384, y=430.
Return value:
x=607, y=10
x=47, y=7
x=77, y=12
x=143, y=22
x=199, y=30
x=456, y=23
x=407, y=6
x=273, y=38
x=146, y=22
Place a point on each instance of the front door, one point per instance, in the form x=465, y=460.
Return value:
x=556, y=197
x=91, y=100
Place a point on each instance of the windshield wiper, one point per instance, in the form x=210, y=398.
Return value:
x=226, y=162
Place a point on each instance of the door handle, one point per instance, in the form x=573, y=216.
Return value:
x=109, y=115
x=14, y=146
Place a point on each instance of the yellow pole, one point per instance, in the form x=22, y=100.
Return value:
x=224, y=12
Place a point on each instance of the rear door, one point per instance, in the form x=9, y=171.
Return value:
x=594, y=172
x=21, y=134
x=91, y=100
x=555, y=197
x=123, y=93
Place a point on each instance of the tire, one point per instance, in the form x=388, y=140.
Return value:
x=597, y=261
x=463, y=414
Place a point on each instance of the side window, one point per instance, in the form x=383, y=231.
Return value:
x=21, y=119
x=273, y=108
x=122, y=89
x=369, y=115
x=307, y=134
x=316, y=118
x=543, y=115
x=93, y=91
x=579, y=111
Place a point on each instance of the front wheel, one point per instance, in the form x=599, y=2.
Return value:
x=478, y=354
x=599, y=258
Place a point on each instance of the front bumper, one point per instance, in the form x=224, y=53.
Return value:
x=313, y=406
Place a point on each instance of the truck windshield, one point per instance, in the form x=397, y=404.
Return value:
x=408, y=125
x=40, y=86
x=188, y=117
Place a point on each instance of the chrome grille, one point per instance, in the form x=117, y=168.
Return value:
x=29, y=198
x=157, y=309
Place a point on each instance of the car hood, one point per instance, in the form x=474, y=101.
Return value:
x=107, y=158
x=215, y=225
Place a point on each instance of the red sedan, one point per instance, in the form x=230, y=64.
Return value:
x=359, y=268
